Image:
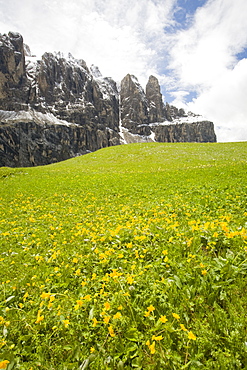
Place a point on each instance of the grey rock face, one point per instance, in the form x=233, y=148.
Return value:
x=13, y=90
x=28, y=138
x=147, y=118
x=62, y=87
x=134, y=104
x=55, y=108
x=67, y=89
x=199, y=132
x=156, y=112
x=173, y=112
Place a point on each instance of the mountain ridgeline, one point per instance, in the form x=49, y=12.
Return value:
x=57, y=108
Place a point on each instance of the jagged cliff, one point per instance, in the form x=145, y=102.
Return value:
x=56, y=108
x=144, y=116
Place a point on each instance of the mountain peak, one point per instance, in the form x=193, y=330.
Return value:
x=55, y=108
x=95, y=71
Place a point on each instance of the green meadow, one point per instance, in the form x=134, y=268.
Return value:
x=131, y=257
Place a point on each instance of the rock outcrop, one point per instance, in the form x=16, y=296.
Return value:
x=29, y=143
x=56, y=108
x=200, y=132
x=156, y=109
x=30, y=138
x=144, y=117
x=13, y=86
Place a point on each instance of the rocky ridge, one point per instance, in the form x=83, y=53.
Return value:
x=56, y=108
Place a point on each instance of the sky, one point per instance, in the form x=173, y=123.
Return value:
x=196, y=48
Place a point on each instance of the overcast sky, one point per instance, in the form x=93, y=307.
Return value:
x=196, y=48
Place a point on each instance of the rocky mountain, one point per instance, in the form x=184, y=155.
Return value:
x=56, y=108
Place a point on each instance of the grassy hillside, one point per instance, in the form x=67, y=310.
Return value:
x=129, y=257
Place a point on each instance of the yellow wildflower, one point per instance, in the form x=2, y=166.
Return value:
x=191, y=335
x=92, y=349
x=52, y=298
x=204, y=272
x=93, y=276
x=151, y=308
x=107, y=305
x=95, y=322
x=2, y=343
x=115, y=274
x=4, y=364
x=163, y=319
x=152, y=348
x=45, y=295
x=130, y=280
x=50, y=304
x=107, y=319
x=183, y=327
x=66, y=323
x=39, y=317
x=25, y=296
x=111, y=331
x=159, y=337
x=176, y=316
x=117, y=315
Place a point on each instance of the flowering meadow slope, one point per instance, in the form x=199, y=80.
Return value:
x=130, y=257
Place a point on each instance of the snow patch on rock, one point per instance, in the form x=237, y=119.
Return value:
x=31, y=116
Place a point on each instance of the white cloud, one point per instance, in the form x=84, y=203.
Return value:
x=203, y=59
x=205, y=51
x=225, y=104
x=179, y=98
x=120, y=37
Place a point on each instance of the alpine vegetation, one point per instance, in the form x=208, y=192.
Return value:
x=131, y=257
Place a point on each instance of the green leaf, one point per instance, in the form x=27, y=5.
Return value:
x=67, y=348
x=91, y=313
x=178, y=281
x=136, y=363
x=130, y=347
x=133, y=335
x=120, y=365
